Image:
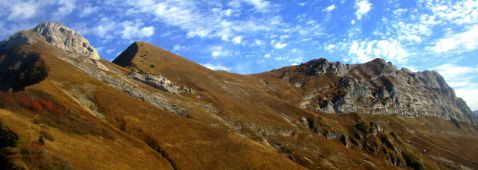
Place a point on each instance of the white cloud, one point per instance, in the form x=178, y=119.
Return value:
x=452, y=71
x=457, y=12
x=65, y=8
x=109, y=51
x=259, y=5
x=464, y=41
x=216, y=67
x=237, y=40
x=364, y=51
x=215, y=53
x=469, y=94
x=329, y=8
x=131, y=30
x=107, y=29
x=358, y=49
x=289, y=59
x=278, y=44
x=363, y=7
x=23, y=10
x=227, y=12
x=218, y=51
x=104, y=28
x=460, y=78
x=88, y=10
x=178, y=47
x=258, y=43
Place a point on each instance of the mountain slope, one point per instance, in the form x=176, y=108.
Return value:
x=158, y=138
x=152, y=109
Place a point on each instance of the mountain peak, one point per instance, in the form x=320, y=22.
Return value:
x=56, y=35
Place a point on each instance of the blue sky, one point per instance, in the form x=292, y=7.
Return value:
x=250, y=36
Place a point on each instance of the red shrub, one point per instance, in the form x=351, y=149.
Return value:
x=47, y=105
x=36, y=106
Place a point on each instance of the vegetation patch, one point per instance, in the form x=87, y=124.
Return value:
x=8, y=142
x=46, y=110
x=38, y=158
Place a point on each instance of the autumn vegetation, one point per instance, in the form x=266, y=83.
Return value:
x=44, y=109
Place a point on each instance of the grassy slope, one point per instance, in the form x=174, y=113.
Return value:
x=134, y=125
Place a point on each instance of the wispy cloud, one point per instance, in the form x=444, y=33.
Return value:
x=23, y=10
x=216, y=67
x=463, y=41
x=203, y=23
x=219, y=51
x=259, y=5
x=330, y=8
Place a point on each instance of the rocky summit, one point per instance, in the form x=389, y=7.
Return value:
x=56, y=35
x=63, y=107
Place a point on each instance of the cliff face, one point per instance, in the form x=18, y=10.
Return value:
x=376, y=87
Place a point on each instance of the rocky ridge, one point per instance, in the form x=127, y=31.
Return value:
x=378, y=87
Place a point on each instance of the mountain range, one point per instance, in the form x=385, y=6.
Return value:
x=64, y=107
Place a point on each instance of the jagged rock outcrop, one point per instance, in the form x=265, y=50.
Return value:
x=321, y=66
x=160, y=82
x=378, y=87
x=55, y=35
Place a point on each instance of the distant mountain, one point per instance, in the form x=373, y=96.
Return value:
x=63, y=107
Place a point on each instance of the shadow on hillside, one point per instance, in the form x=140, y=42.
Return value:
x=21, y=69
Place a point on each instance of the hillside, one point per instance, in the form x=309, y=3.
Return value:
x=62, y=107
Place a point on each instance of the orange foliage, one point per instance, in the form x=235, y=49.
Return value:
x=31, y=101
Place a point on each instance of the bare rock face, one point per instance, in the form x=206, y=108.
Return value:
x=160, y=82
x=378, y=87
x=56, y=35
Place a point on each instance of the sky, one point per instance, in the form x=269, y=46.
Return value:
x=251, y=36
